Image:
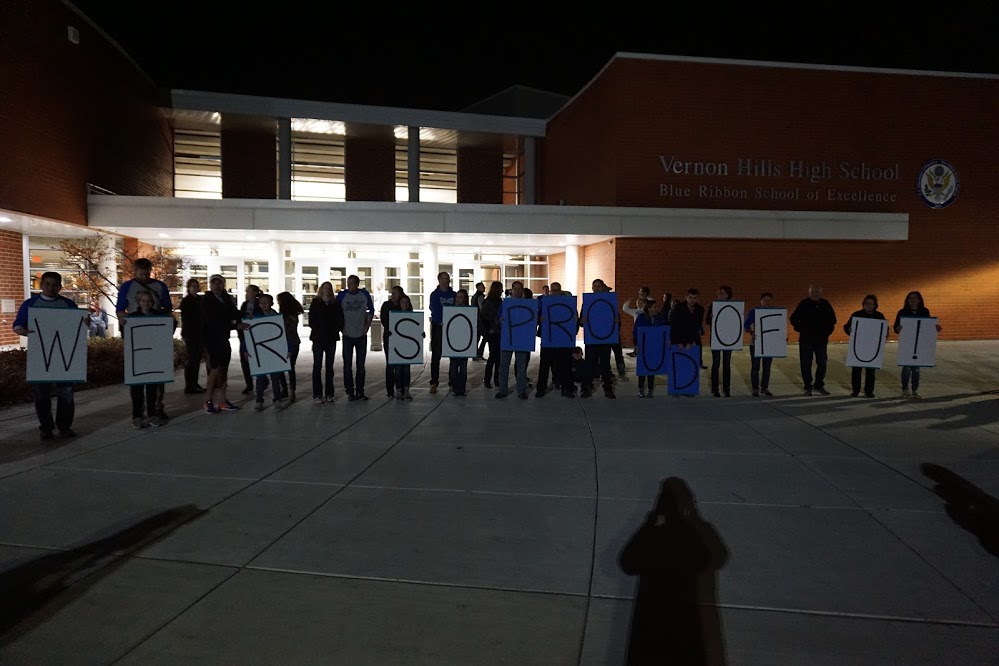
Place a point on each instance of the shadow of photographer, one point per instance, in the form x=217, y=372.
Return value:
x=676, y=555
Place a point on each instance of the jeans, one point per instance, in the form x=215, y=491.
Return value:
x=436, y=347
x=806, y=350
x=244, y=364
x=279, y=386
x=193, y=365
x=402, y=377
x=144, y=396
x=725, y=357
x=868, y=380
x=458, y=375
x=754, y=372
x=320, y=349
x=493, y=362
x=598, y=356
x=521, y=371
x=548, y=359
x=292, y=359
x=65, y=406
x=907, y=372
x=351, y=346
x=618, y=357
x=641, y=382
x=390, y=371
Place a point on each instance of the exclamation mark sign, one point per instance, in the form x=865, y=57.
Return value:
x=915, y=346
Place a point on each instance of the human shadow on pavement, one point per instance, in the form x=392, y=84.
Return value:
x=968, y=505
x=955, y=416
x=676, y=555
x=34, y=591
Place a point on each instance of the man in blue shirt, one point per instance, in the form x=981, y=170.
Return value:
x=142, y=282
x=441, y=296
x=358, y=311
x=65, y=406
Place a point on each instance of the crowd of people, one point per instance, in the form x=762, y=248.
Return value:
x=207, y=322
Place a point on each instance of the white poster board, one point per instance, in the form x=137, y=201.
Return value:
x=459, y=331
x=770, y=338
x=148, y=350
x=727, y=318
x=866, y=348
x=266, y=345
x=406, y=335
x=57, y=345
x=917, y=342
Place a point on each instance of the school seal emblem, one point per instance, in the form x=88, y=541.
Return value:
x=937, y=184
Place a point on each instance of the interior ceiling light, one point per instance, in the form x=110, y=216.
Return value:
x=316, y=126
x=4, y=219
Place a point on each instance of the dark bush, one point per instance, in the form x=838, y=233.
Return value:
x=105, y=366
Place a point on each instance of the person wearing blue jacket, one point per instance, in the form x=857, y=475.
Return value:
x=51, y=284
x=142, y=283
x=439, y=297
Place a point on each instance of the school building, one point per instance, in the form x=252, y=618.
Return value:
x=670, y=172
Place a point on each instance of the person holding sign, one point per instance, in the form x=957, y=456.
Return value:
x=508, y=318
x=219, y=315
x=358, y=311
x=686, y=321
x=766, y=301
x=326, y=322
x=278, y=381
x=190, y=332
x=724, y=293
x=51, y=284
x=651, y=315
x=558, y=326
x=395, y=294
x=914, y=307
x=598, y=354
x=145, y=397
x=868, y=311
x=403, y=372
x=490, y=312
x=814, y=319
x=457, y=373
x=439, y=297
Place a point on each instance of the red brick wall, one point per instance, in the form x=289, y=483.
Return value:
x=598, y=262
x=369, y=163
x=11, y=282
x=556, y=270
x=480, y=170
x=702, y=112
x=72, y=114
x=249, y=157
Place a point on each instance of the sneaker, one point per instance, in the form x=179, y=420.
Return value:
x=390, y=394
x=280, y=405
x=155, y=421
x=916, y=394
x=318, y=401
x=248, y=390
x=906, y=394
x=756, y=394
x=227, y=406
x=808, y=391
x=868, y=395
x=330, y=399
x=433, y=387
x=766, y=392
x=610, y=395
x=502, y=394
x=352, y=397
x=822, y=391
x=45, y=434
x=539, y=394
x=641, y=393
x=211, y=408
x=408, y=395
x=67, y=433
x=259, y=406
x=727, y=394
x=138, y=423
x=401, y=395
x=522, y=396
x=855, y=394
x=650, y=394
x=632, y=354
x=716, y=394
x=361, y=396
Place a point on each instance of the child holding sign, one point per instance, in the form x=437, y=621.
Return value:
x=650, y=315
x=914, y=307
x=279, y=383
x=145, y=397
x=402, y=371
x=457, y=373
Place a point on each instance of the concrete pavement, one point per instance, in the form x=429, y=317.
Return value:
x=474, y=530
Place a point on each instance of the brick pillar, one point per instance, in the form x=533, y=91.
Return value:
x=480, y=168
x=369, y=163
x=249, y=157
x=11, y=283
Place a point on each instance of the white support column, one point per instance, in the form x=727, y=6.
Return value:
x=26, y=265
x=530, y=172
x=413, y=163
x=431, y=267
x=573, y=270
x=275, y=269
x=109, y=268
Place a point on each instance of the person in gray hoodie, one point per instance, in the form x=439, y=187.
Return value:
x=358, y=311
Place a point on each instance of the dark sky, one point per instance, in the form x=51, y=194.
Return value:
x=422, y=54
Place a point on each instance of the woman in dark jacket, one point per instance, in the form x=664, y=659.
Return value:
x=326, y=322
x=869, y=311
x=489, y=313
x=190, y=320
x=914, y=307
x=290, y=311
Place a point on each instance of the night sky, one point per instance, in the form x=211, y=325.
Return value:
x=424, y=55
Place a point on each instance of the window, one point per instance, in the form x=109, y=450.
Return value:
x=438, y=165
x=197, y=163
x=317, y=160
